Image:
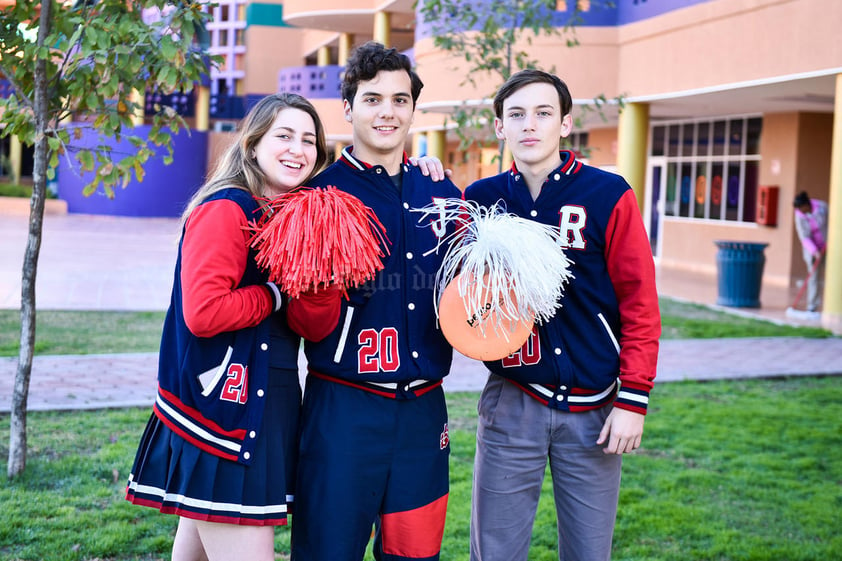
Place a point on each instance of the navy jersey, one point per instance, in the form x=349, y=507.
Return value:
x=387, y=330
x=609, y=323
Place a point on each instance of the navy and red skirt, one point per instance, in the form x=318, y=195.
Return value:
x=177, y=477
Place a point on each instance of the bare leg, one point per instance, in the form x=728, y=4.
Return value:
x=231, y=542
x=187, y=545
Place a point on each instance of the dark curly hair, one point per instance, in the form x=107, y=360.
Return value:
x=369, y=59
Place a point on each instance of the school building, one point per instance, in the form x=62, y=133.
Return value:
x=727, y=111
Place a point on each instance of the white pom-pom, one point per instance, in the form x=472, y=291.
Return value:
x=519, y=261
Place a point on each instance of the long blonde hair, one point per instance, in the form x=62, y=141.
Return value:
x=236, y=169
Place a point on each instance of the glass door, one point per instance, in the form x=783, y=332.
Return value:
x=654, y=211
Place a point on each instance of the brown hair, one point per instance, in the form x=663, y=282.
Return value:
x=236, y=169
x=532, y=76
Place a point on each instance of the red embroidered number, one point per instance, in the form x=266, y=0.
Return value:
x=528, y=355
x=236, y=386
x=378, y=350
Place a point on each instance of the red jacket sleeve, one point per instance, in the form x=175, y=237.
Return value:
x=632, y=271
x=214, y=254
x=314, y=315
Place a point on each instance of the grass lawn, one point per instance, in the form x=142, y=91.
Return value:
x=729, y=470
x=84, y=332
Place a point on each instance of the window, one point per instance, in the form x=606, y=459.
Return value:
x=712, y=167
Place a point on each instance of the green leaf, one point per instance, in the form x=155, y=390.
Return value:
x=139, y=172
x=168, y=78
x=168, y=48
x=86, y=160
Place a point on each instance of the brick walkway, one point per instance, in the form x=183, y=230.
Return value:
x=122, y=380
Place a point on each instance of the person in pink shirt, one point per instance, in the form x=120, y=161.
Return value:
x=811, y=225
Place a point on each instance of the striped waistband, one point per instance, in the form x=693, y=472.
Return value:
x=570, y=399
x=393, y=390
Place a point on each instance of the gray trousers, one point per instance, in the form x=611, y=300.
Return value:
x=814, y=283
x=516, y=435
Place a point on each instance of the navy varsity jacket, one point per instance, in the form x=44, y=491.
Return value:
x=215, y=349
x=387, y=331
x=608, y=327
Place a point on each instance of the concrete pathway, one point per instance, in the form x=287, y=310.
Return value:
x=124, y=380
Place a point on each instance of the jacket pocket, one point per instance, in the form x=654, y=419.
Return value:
x=209, y=379
x=609, y=332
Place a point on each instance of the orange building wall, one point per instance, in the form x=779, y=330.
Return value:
x=333, y=118
x=602, y=144
x=269, y=49
x=445, y=75
x=728, y=41
x=218, y=142
x=296, y=7
x=311, y=40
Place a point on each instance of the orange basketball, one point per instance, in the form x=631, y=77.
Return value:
x=464, y=334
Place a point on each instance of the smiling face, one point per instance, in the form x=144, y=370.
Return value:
x=287, y=152
x=532, y=124
x=381, y=114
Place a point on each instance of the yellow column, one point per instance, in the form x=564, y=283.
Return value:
x=508, y=158
x=239, y=60
x=436, y=143
x=382, y=28
x=139, y=98
x=337, y=150
x=832, y=297
x=345, y=42
x=15, y=158
x=632, y=133
x=323, y=56
x=416, y=143
x=202, y=107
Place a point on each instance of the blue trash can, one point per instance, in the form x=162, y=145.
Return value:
x=739, y=267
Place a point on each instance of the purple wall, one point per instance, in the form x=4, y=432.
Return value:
x=313, y=82
x=601, y=14
x=164, y=191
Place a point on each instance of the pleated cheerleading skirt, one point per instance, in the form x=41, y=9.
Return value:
x=176, y=477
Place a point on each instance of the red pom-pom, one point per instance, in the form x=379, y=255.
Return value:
x=312, y=238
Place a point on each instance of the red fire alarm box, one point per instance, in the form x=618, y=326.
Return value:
x=767, y=205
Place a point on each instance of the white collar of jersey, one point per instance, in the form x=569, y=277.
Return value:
x=347, y=155
x=569, y=166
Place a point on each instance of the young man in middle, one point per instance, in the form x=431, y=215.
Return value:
x=374, y=441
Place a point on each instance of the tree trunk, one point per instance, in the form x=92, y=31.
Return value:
x=17, y=430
